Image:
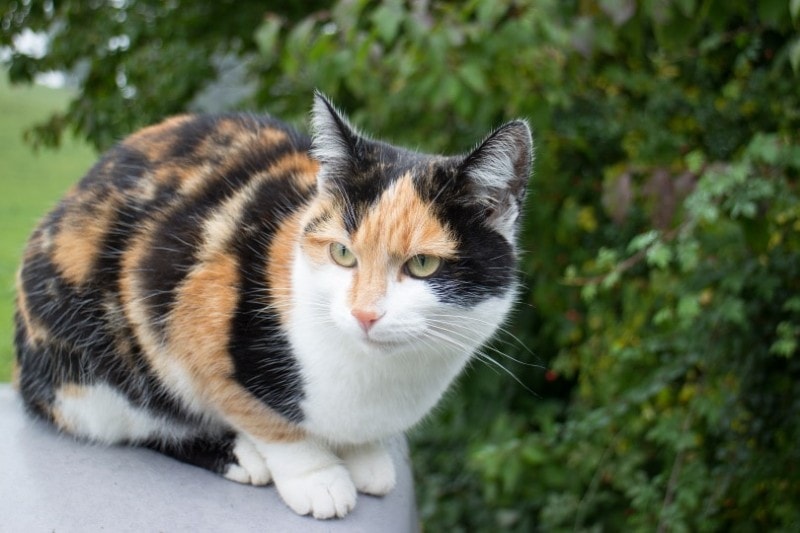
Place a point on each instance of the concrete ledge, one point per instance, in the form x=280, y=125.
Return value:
x=50, y=482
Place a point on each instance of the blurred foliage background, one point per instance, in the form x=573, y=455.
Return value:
x=656, y=340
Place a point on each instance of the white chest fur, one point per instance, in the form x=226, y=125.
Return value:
x=359, y=390
x=353, y=397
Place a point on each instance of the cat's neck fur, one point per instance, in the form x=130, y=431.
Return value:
x=360, y=392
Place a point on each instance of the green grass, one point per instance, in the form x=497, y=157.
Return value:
x=30, y=184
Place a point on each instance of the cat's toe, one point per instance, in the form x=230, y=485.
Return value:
x=236, y=473
x=250, y=467
x=371, y=469
x=325, y=493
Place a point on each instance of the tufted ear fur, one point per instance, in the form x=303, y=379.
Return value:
x=499, y=169
x=335, y=143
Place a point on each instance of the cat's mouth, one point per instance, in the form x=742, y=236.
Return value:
x=372, y=341
x=383, y=344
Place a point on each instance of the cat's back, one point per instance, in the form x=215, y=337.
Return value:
x=156, y=207
x=161, y=184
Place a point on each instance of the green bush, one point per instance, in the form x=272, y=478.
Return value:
x=656, y=375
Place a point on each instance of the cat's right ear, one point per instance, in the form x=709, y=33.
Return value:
x=334, y=142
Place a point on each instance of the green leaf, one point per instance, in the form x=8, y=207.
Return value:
x=267, y=34
x=794, y=54
x=640, y=242
x=688, y=307
x=473, y=76
x=733, y=310
x=659, y=255
x=387, y=19
x=611, y=279
x=663, y=316
x=695, y=161
x=765, y=147
x=688, y=254
x=607, y=258
x=787, y=341
x=588, y=292
x=792, y=304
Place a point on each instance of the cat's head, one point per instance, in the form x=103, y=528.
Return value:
x=402, y=249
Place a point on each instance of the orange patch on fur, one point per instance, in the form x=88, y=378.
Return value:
x=36, y=332
x=248, y=414
x=269, y=136
x=77, y=243
x=220, y=227
x=191, y=178
x=402, y=225
x=279, y=265
x=154, y=141
x=22, y=302
x=72, y=390
x=199, y=337
x=302, y=169
x=200, y=321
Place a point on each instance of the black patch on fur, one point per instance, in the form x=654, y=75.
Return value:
x=188, y=135
x=68, y=314
x=214, y=453
x=486, y=261
x=262, y=357
x=35, y=386
x=121, y=167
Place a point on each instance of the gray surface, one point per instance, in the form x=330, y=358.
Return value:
x=50, y=482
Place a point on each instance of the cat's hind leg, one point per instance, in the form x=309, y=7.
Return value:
x=100, y=413
x=231, y=455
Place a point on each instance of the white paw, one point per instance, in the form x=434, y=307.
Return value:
x=252, y=468
x=371, y=468
x=324, y=493
x=309, y=477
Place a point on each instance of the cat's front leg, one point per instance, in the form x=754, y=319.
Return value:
x=310, y=478
x=250, y=467
x=371, y=467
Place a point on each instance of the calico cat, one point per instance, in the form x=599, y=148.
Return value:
x=267, y=305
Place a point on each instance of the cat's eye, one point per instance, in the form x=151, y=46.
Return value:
x=342, y=255
x=423, y=266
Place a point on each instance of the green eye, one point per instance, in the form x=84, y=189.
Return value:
x=423, y=266
x=342, y=255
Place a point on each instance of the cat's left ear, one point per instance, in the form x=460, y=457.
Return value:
x=499, y=169
x=334, y=142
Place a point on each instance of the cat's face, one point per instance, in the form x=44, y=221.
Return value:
x=375, y=279
x=407, y=252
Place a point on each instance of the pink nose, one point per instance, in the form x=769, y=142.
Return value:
x=366, y=317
